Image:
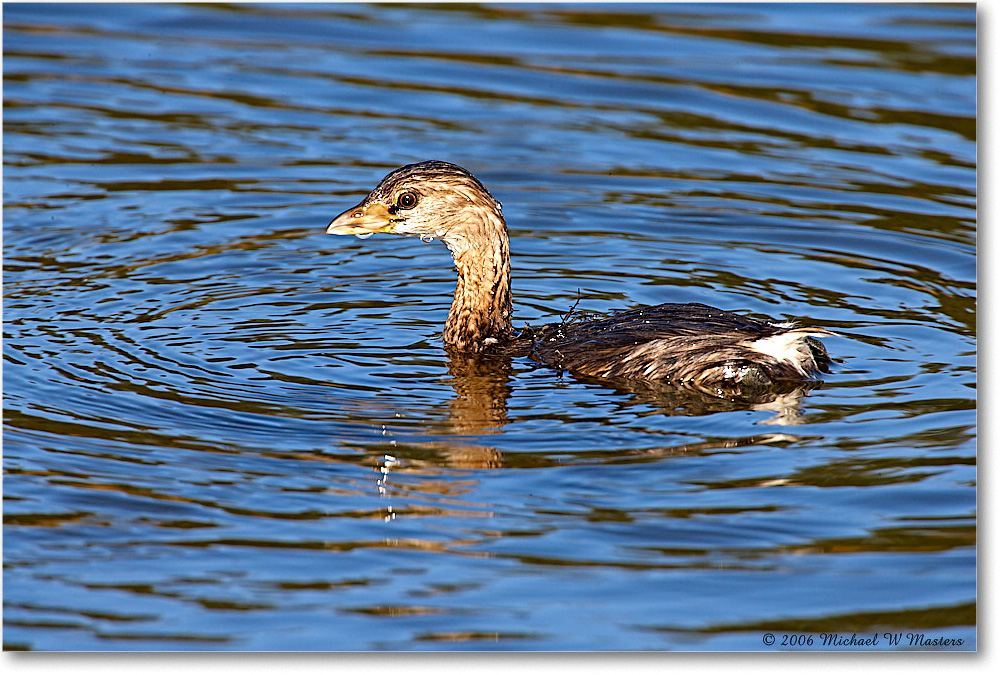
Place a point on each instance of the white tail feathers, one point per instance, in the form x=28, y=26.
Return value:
x=791, y=347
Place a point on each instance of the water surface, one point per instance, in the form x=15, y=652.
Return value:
x=227, y=430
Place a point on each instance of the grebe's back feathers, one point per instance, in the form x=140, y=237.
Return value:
x=685, y=344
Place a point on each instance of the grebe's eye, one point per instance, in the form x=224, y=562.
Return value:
x=407, y=200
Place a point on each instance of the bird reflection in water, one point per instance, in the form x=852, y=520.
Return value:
x=483, y=388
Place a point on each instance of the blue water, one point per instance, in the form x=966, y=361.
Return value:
x=225, y=430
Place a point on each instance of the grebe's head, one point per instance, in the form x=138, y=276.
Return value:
x=432, y=200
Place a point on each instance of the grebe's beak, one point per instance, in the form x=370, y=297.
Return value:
x=363, y=220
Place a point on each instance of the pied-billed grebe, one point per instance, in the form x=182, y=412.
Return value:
x=682, y=344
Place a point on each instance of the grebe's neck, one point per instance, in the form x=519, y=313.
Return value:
x=480, y=313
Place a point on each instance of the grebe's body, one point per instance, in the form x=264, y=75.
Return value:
x=683, y=344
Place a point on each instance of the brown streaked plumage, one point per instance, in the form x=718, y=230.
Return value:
x=684, y=344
